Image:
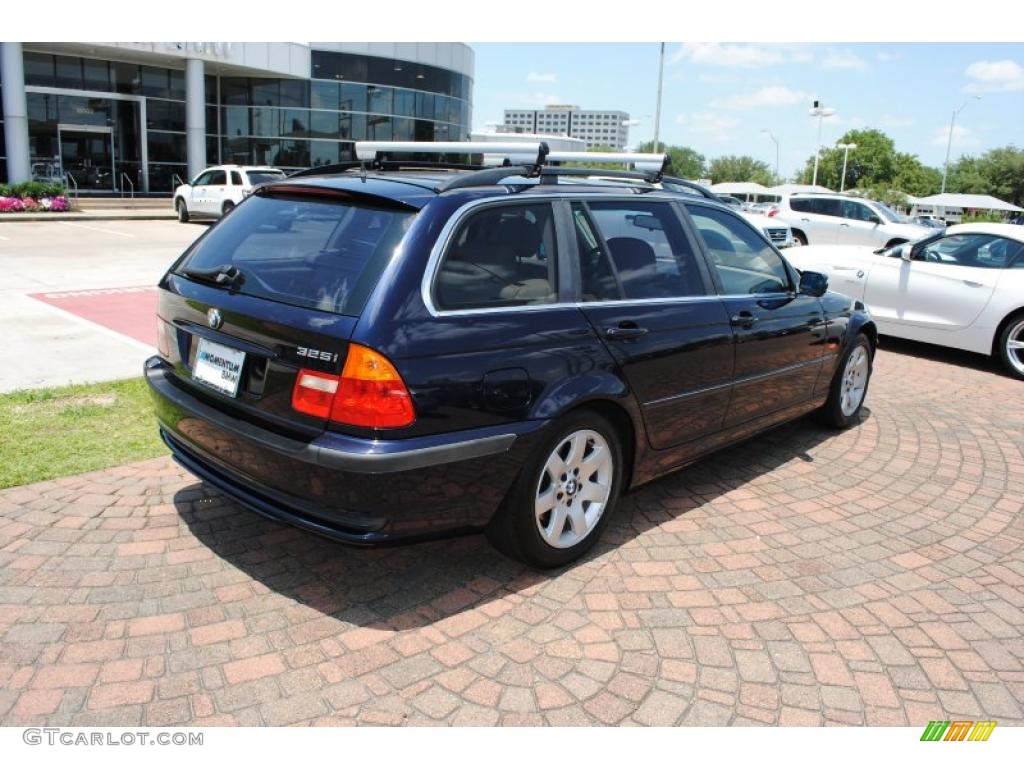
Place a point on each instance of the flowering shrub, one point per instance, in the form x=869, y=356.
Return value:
x=26, y=204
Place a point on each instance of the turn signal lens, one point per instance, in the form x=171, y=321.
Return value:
x=372, y=393
x=314, y=393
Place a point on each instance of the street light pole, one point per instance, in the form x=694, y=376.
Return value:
x=949, y=142
x=846, y=154
x=772, y=137
x=657, y=111
x=819, y=111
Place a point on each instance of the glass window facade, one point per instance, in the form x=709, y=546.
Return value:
x=289, y=123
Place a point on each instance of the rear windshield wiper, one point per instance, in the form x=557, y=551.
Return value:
x=224, y=276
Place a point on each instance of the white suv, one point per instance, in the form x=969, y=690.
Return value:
x=821, y=219
x=217, y=190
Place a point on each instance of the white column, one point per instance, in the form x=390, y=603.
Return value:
x=195, y=116
x=19, y=165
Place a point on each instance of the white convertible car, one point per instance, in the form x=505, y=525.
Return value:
x=962, y=287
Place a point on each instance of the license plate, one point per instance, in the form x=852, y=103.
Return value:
x=218, y=366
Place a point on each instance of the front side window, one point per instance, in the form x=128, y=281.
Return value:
x=203, y=179
x=972, y=250
x=642, y=249
x=501, y=256
x=745, y=263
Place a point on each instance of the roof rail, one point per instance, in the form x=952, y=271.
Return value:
x=532, y=153
x=699, y=189
x=641, y=161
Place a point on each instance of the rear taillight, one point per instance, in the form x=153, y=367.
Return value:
x=772, y=211
x=369, y=392
x=314, y=392
x=163, y=333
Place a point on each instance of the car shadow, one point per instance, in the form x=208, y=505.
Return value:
x=939, y=354
x=401, y=587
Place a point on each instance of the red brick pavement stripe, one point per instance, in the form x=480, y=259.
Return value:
x=129, y=311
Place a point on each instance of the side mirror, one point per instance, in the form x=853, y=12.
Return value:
x=813, y=284
x=874, y=219
x=907, y=252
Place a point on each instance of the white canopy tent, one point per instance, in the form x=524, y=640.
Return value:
x=974, y=202
x=789, y=189
x=738, y=188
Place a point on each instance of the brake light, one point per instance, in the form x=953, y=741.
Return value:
x=772, y=211
x=369, y=392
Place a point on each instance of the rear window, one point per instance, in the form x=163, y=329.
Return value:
x=258, y=177
x=309, y=253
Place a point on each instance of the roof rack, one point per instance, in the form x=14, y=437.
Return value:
x=641, y=161
x=525, y=153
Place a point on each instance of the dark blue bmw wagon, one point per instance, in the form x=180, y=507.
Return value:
x=387, y=351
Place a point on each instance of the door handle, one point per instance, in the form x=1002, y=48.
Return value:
x=743, y=319
x=844, y=225
x=624, y=332
x=972, y=284
x=804, y=219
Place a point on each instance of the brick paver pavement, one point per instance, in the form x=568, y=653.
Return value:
x=868, y=577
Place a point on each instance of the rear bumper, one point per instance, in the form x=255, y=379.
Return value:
x=353, y=489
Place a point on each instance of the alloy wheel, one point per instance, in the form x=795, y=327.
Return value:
x=574, y=488
x=855, y=381
x=1015, y=347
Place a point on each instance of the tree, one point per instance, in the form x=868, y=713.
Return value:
x=872, y=162
x=915, y=178
x=686, y=161
x=999, y=172
x=740, y=168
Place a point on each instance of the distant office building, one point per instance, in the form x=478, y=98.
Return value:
x=597, y=127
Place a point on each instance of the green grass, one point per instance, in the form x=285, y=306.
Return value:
x=48, y=433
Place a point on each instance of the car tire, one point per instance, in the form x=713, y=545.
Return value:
x=800, y=237
x=561, y=501
x=182, y=209
x=226, y=208
x=849, y=385
x=1012, y=358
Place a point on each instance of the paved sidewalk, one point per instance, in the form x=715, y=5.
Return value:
x=874, y=576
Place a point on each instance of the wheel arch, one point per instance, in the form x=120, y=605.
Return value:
x=1007, y=319
x=622, y=421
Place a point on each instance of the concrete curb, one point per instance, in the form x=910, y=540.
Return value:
x=111, y=215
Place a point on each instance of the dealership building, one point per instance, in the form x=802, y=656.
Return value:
x=141, y=117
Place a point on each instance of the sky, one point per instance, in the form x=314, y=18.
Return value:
x=718, y=97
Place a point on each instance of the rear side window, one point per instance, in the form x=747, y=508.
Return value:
x=308, y=253
x=502, y=256
x=818, y=205
x=236, y=178
x=643, y=246
x=745, y=263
